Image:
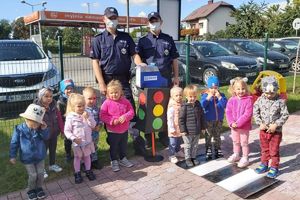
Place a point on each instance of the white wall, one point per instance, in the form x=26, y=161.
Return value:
x=169, y=11
x=217, y=20
x=203, y=30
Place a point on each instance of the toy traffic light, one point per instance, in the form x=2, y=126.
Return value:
x=152, y=110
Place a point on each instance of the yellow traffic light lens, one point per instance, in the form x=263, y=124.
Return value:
x=158, y=110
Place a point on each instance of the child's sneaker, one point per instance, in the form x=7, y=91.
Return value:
x=208, y=154
x=40, y=193
x=195, y=161
x=189, y=162
x=262, y=168
x=91, y=176
x=179, y=154
x=31, y=195
x=55, y=168
x=173, y=159
x=126, y=163
x=233, y=158
x=45, y=174
x=244, y=162
x=219, y=153
x=78, y=178
x=115, y=165
x=273, y=172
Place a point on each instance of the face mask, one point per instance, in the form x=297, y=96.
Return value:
x=154, y=26
x=112, y=23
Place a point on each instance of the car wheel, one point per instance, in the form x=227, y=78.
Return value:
x=207, y=73
x=295, y=66
x=134, y=88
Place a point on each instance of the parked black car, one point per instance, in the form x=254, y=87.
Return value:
x=275, y=61
x=288, y=48
x=295, y=39
x=209, y=58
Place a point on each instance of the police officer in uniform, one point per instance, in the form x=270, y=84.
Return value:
x=111, y=55
x=159, y=48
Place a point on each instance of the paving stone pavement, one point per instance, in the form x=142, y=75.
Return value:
x=165, y=180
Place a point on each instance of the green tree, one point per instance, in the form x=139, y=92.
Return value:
x=5, y=29
x=284, y=21
x=20, y=31
x=296, y=2
x=250, y=21
x=272, y=16
x=72, y=39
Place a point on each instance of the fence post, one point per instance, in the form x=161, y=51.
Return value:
x=187, y=62
x=266, y=51
x=61, y=59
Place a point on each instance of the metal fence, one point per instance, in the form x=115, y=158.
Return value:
x=22, y=76
x=21, y=79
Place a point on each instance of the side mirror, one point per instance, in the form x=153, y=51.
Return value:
x=282, y=49
x=193, y=55
x=235, y=52
x=49, y=54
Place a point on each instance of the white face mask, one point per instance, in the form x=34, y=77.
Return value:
x=155, y=26
x=112, y=23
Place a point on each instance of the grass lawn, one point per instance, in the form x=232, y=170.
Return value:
x=14, y=178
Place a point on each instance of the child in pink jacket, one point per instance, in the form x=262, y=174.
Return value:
x=116, y=112
x=78, y=129
x=239, y=113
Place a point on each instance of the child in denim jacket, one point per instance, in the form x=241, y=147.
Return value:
x=28, y=139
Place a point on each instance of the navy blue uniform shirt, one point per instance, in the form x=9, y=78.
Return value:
x=114, y=54
x=160, y=50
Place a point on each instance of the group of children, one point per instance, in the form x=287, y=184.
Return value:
x=188, y=118
x=77, y=117
x=79, y=120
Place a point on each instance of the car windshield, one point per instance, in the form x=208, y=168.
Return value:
x=212, y=50
x=20, y=51
x=290, y=44
x=250, y=46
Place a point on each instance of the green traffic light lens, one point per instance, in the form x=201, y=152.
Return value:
x=157, y=123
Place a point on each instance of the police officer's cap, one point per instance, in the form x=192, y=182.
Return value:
x=110, y=12
x=155, y=15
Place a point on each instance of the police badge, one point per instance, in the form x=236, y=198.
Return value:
x=124, y=51
x=166, y=52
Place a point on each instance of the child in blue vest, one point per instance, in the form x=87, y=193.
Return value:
x=91, y=107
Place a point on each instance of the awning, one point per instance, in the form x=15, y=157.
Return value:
x=70, y=19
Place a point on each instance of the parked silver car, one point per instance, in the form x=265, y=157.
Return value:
x=24, y=69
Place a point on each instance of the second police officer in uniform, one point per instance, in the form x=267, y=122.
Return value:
x=159, y=48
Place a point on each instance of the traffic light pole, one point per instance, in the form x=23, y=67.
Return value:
x=154, y=157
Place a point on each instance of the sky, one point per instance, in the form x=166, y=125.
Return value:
x=12, y=9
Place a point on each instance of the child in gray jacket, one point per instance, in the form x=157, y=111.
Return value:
x=270, y=113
